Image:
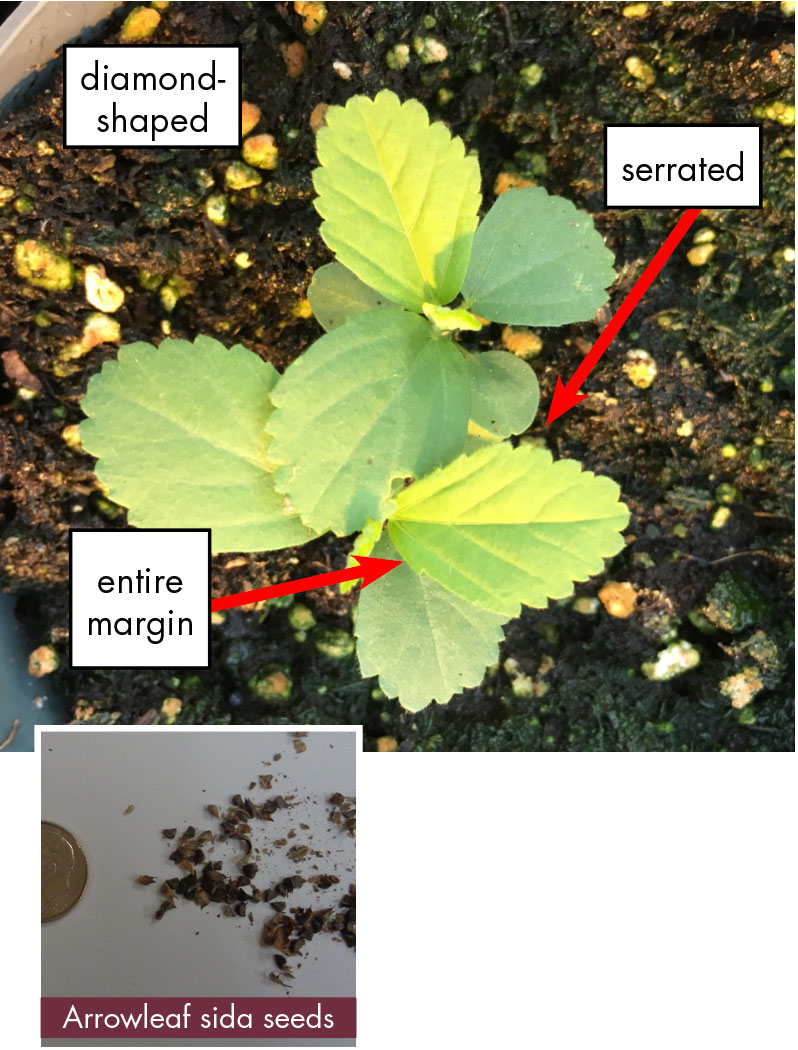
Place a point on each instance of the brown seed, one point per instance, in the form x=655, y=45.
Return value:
x=169, y=833
x=147, y=880
x=164, y=908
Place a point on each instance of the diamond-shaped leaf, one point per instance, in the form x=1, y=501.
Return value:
x=537, y=260
x=179, y=433
x=383, y=396
x=399, y=198
x=507, y=526
x=424, y=642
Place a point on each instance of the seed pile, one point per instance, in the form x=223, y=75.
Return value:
x=205, y=882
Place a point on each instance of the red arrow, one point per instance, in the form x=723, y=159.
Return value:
x=369, y=568
x=565, y=397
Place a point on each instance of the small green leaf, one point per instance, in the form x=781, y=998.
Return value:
x=504, y=393
x=383, y=396
x=399, y=197
x=446, y=319
x=537, y=260
x=179, y=435
x=335, y=294
x=506, y=526
x=363, y=545
x=424, y=642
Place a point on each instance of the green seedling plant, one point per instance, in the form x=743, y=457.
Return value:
x=387, y=427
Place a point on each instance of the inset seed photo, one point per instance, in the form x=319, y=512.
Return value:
x=204, y=876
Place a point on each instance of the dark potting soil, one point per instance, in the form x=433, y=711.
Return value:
x=719, y=410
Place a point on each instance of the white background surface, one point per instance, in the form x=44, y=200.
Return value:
x=554, y=901
x=83, y=106
x=109, y=944
x=682, y=145
x=165, y=552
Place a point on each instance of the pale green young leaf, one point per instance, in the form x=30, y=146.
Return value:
x=399, y=198
x=423, y=641
x=335, y=294
x=507, y=526
x=537, y=260
x=363, y=545
x=447, y=319
x=504, y=393
x=383, y=396
x=179, y=434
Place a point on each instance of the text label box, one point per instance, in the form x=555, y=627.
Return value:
x=152, y=96
x=139, y=598
x=682, y=166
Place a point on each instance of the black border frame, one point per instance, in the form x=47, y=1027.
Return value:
x=720, y=207
x=139, y=667
x=151, y=145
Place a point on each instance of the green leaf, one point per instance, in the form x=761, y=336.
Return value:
x=363, y=545
x=446, y=319
x=178, y=431
x=335, y=294
x=424, y=642
x=504, y=393
x=505, y=526
x=383, y=396
x=537, y=260
x=399, y=197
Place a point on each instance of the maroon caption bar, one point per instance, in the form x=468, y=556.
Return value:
x=178, y=1018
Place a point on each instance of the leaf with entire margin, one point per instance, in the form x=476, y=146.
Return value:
x=507, y=526
x=504, y=392
x=399, y=198
x=424, y=642
x=383, y=396
x=178, y=432
x=335, y=294
x=537, y=260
